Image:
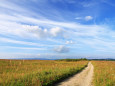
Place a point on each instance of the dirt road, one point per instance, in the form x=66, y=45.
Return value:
x=83, y=78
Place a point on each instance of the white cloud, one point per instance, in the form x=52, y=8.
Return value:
x=69, y=42
x=28, y=31
x=57, y=32
x=87, y=18
x=61, y=49
x=36, y=31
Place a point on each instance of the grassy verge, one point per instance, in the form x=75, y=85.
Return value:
x=104, y=73
x=36, y=72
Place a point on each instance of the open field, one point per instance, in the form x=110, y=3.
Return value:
x=36, y=72
x=104, y=73
x=47, y=73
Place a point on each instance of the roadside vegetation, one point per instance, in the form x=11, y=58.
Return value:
x=37, y=72
x=104, y=73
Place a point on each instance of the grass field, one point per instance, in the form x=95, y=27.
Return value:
x=36, y=72
x=104, y=73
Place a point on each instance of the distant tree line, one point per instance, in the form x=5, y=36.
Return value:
x=103, y=59
x=68, y=59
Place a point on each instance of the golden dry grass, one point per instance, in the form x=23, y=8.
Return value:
x=104, y=73
x=36, y=72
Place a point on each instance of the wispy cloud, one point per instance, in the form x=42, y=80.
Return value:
x=7, y=40
x=54, y=29
x=23, y=48
x=86, y=18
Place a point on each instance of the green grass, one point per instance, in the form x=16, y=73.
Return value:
x=104, y=73
x=36, y=72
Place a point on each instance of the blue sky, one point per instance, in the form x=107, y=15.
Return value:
x=57, y=29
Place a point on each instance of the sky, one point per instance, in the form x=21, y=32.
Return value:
x=57, y=29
